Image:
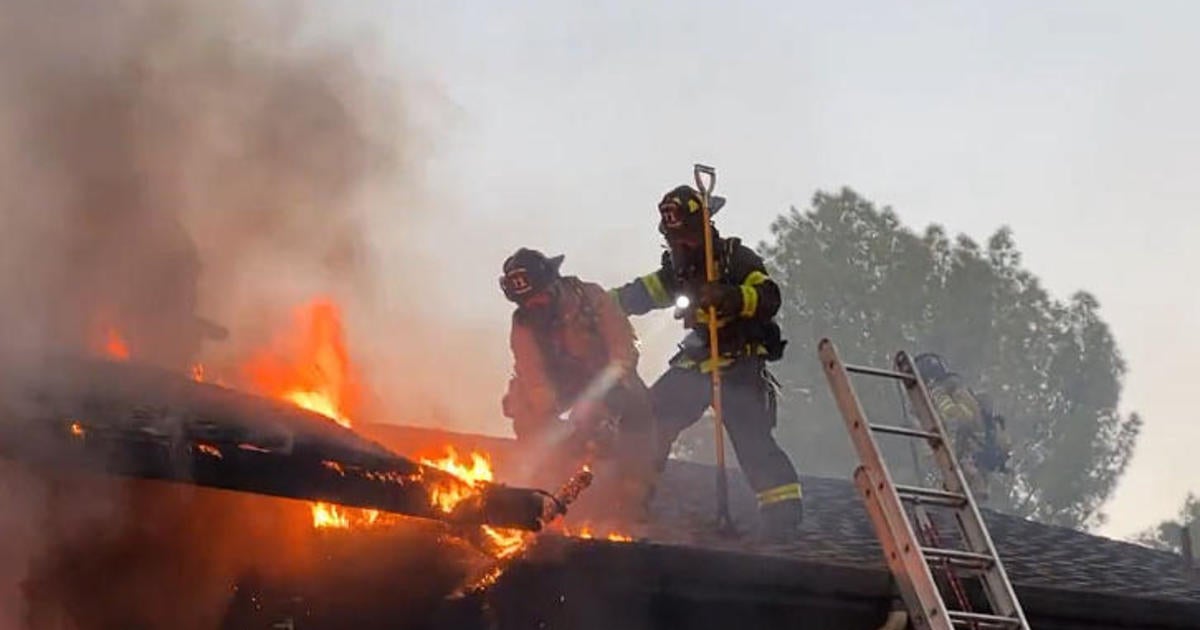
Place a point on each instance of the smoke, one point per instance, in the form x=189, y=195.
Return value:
x=168, y=166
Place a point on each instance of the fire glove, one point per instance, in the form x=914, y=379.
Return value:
x=727, y=298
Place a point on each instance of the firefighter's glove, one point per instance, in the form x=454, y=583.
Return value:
x=727, y=298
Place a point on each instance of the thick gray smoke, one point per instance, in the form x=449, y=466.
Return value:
x=161, y=158
x=164, y=166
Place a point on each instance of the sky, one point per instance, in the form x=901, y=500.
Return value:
x=558, y=125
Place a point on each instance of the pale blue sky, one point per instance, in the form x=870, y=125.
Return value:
x=559, y=124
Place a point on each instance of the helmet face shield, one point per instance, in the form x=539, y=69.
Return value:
x=673, y=215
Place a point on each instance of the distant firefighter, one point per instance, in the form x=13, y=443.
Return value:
x=979, y=436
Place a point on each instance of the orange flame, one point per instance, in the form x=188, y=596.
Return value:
x=330, y=516
x=471, y=472
x=310, y=368
x=318, y=375
x=585, y=532
x=506, y=541
x=114, y=345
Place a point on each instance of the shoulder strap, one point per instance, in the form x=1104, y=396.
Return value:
x=731, y=246
x=586, y=309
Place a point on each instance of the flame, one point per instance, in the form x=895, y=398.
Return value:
x=472, y=471
x=327, y=515
x=77, y=430
x=318, y=375
x=586, y=532
x=198, y=373
x=114, y=345
x=331, y=516
x=310, y=368
x=507, y=541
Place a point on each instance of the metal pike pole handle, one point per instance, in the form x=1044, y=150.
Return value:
x=724, y=519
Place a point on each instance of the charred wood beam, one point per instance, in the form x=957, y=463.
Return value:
x=142, y=422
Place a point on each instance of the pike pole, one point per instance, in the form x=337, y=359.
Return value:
x=724, y=519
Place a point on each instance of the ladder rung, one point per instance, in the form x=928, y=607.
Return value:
x=969, y=558
x=895, y=430
x=914, y=493
x=959, y=618
x=862, y=369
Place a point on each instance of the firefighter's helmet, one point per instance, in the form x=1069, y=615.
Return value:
x=680, y=211
x=527, y=272
x=931, y=366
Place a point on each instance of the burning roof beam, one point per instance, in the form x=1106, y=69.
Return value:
x=130, y=420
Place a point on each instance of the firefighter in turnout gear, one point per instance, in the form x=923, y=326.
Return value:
x=746, y=301
x=575, y=351
x=979, y=435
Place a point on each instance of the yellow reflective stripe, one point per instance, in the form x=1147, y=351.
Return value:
x=786, y=492
x=654, y=286
x=755, y=278
x=749, y=301
x=948, y=407
x=615, y=294
x=706, y=365
x=702, y=318
x=750, y=294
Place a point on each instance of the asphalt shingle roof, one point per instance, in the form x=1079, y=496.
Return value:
x=837, y=531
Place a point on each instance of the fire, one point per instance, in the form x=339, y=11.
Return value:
x=330, y=516
x=198, y=373
x=506, y=541
x=310, y=368
x=317, y=375
x=585, y=531
x=472, y=471
x=114, y=345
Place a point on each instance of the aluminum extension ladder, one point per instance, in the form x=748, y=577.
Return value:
x=914, y=562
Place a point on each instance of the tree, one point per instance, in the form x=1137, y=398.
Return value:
x=1167, y=535
x=854, y=273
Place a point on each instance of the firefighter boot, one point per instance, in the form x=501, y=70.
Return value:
x=781, y=520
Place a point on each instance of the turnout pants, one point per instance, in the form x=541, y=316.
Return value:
x=681, y=395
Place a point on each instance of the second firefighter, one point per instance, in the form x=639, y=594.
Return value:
x=746, y=301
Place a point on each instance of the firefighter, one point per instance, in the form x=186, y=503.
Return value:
x=979, y=435
x=746, y=301
x=574, y=350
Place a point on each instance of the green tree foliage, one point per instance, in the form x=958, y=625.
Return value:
x=854, y=273
x=1167, y=535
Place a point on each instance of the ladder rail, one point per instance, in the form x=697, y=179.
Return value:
x=904, y=557
x=883, y=503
